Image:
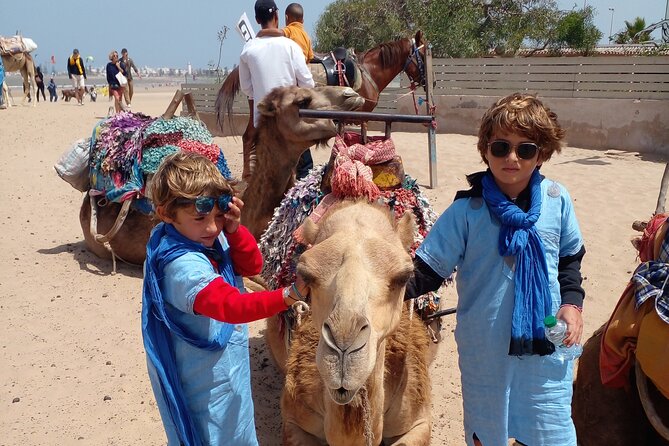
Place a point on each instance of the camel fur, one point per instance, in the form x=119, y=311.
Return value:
x=22, y=62
x=357, y=370
x=281, y=138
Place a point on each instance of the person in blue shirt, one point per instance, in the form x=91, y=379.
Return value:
x=53, y=94
x=515, y=246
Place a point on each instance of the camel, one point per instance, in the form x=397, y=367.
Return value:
x=281, y=130
x=357, y=370
x=286, y=134
x=637, y=414
x=22, y=62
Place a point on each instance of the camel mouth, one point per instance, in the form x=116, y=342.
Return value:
x=342, y=396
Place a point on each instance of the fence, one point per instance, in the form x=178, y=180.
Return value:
x=558, y=77
x=617, y=102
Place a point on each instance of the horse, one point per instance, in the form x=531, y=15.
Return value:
x=378, y=67
x=22, y=62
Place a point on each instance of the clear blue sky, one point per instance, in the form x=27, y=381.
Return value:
x=166, y=33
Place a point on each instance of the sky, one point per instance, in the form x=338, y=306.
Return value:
x=166, y=33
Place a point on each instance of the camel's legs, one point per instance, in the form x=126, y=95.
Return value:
x=418, y=435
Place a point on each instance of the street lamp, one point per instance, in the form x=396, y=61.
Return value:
x=611, y=27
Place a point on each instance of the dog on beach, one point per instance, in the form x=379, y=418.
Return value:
x=68, y=94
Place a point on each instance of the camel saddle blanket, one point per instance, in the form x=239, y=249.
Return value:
x=127, y=149
x=639, y=325
x=16, y=44
x=280, y=243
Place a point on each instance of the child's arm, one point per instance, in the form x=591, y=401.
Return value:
x=424, y=279
x=225, y=303
x=246, y=257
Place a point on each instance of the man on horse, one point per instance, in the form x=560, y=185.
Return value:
x=257, y=77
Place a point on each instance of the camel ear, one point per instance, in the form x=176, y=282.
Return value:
x=309, y=231
x=267, y=108
x=405, y=228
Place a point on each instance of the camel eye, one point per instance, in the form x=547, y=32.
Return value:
x=304, y=103
x=401, y=279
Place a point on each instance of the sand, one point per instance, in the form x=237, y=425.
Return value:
x=72, y=366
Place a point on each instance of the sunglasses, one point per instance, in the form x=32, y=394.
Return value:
x=204, y=205
x=501, y=148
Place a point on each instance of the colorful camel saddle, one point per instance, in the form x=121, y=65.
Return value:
x=355, y=171
x=127, y=148
x=639, y=325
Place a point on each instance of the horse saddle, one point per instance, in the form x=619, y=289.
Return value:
x=339, y=68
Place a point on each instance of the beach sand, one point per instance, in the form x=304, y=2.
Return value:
x=72, y=365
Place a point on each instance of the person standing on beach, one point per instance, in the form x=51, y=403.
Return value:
x=77, y=72
x=114, y=67
x=39, y=83
x=129, y=66
x=518, y=229
x=294, y=30
x=267, y=63
x=53, y=95
x=195, y=308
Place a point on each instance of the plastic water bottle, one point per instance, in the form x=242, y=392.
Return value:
x=556, y=330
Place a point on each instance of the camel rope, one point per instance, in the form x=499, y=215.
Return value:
x=105, y=240
x=647, y=403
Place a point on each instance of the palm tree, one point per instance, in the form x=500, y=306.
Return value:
x=629, y=34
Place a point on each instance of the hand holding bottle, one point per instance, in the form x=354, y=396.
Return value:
x=574, y=319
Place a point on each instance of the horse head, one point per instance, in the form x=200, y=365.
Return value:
x=415, y=66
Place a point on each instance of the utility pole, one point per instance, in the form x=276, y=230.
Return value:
x=611, y=27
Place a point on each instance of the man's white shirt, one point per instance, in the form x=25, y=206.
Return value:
x=270, y=62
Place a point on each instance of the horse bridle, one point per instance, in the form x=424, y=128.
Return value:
x=415, y=58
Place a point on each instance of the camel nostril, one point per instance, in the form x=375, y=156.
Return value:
x=328, y=337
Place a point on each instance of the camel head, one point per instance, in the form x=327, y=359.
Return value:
x=280, y=113
x=357, y=268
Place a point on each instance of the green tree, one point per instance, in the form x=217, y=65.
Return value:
x=577, y=30
x=632, y=32
x=455, y=28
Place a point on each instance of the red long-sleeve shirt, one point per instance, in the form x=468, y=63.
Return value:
x=223, y=302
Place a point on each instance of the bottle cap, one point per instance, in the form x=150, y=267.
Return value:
x=550, y=321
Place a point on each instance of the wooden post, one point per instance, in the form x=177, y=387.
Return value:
x=662, y=197
x=431, y=132
x=190, y=106
x=172, y=108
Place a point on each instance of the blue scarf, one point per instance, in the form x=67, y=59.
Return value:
x=165, y=245
x=518, y=237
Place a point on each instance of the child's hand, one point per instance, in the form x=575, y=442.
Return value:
x=572, y=316
x=233, y=215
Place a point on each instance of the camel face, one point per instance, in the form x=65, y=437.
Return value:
x=281, y=108
x=357, y=268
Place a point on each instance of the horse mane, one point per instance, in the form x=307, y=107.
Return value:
x=390, y=53
x=226, y=97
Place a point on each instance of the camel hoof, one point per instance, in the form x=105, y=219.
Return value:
x=639, y=225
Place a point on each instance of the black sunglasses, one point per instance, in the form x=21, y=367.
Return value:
x=204, y=205
x=501, y=148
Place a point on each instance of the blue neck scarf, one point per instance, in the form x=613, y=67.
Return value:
x=165, y=245
x=518, y=237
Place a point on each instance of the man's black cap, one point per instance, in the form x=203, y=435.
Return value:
x=265, y=8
